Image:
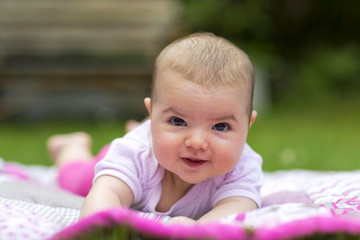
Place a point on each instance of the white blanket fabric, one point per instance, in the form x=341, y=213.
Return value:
x=287, y=196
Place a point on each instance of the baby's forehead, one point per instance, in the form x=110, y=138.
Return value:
x=203, y=80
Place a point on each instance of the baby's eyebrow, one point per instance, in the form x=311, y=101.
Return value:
x=225, y=117
x=173, y=110
x=220, y=118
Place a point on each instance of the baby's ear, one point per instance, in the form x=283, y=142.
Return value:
x=147, y=102
x=253, y=117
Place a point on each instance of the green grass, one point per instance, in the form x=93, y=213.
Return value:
x=322, y=137
x=26, y=142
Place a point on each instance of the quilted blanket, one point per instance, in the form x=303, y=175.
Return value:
x=296, y=204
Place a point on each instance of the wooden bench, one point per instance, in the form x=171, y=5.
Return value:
x=55, y=55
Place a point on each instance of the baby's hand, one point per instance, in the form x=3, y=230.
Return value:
x=181, y=220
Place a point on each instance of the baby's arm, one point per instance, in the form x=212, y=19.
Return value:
x=229, y=206
x=107, y=192
x=222, y=209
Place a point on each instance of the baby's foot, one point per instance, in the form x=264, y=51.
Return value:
x=64, y=148
x=131, y=124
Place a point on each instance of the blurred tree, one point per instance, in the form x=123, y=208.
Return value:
x=305, y=47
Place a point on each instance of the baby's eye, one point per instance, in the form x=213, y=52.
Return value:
x=221, y=127
x=177, y=121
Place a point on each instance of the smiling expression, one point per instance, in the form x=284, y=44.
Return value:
x=198, y=132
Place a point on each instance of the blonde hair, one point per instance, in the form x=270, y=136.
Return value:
x=209, y=61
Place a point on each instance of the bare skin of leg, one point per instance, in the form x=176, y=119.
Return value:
x=131, y=124
x=65, y=148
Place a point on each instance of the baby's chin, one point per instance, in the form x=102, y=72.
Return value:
x=196, y=180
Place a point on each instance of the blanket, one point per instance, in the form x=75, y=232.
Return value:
x=296, y=204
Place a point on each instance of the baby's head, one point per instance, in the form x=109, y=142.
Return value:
x=201, y=107
x=208, y=61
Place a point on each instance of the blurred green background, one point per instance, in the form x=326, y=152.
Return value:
x=307, y=60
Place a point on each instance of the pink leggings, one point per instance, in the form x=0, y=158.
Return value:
x=77, y=176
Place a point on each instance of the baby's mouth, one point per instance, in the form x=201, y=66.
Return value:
x=192, y=162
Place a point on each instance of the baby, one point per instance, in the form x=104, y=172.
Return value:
x=190, y=159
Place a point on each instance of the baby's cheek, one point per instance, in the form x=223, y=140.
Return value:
x=230, y=156
x=164, y=146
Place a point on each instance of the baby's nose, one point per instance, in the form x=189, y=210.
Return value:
x=197, y=140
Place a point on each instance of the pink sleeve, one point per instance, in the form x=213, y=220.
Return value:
x=128, y=159
x=245, y=180
x=123, y=161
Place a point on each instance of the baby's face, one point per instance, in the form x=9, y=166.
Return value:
x=198, y=133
